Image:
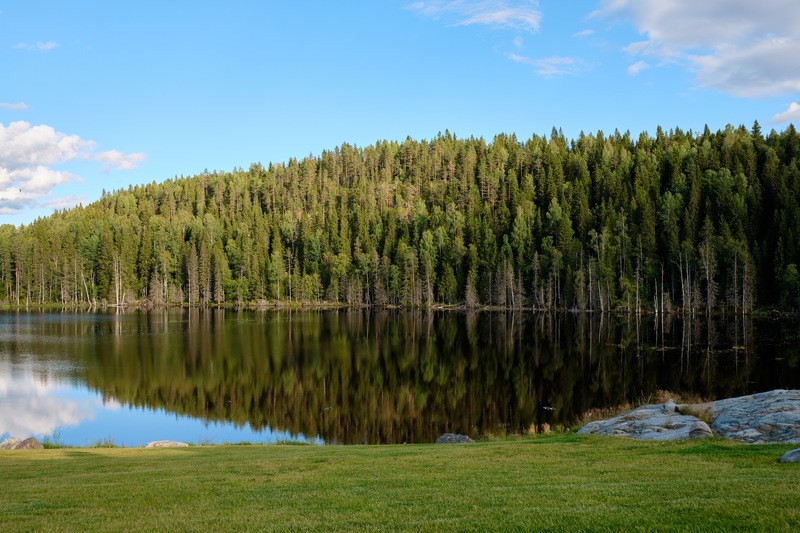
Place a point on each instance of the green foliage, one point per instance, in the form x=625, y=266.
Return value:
x=53, y=440
x=790, y=287
x=706, y=222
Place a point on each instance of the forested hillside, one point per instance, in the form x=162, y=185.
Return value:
x=680, y=221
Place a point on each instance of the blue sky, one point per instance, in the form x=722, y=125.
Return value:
x=98, y=95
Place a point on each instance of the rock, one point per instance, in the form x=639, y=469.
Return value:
x=791, y=457
x=29, y=444
x=9, y=443
x=670, y=407
x=650, y=422
x=700, y=430
x=453, y=438
x=772, y=416
x=166, y=444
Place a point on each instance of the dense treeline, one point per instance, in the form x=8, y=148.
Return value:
x=679, y=221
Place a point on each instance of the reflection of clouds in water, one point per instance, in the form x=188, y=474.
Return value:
x=30, y=405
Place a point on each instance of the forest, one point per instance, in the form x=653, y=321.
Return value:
x=679, y=222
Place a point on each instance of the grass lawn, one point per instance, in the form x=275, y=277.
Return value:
x=564, y=482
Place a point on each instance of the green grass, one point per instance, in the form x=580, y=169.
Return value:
x=563, y=482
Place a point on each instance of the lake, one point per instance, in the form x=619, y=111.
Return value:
x=360, y=376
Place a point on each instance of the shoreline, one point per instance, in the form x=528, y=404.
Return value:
x=762, y=313
x=745, y=419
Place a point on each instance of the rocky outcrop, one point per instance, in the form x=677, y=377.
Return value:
x=650, y=422
x=772, y=416
x=166, y=444
x=453, y=438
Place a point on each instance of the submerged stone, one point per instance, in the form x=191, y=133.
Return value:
x=453, y=438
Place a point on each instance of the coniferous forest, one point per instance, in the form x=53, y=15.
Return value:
x=676, y=222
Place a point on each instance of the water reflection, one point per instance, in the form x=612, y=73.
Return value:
x=390, y=376
x=34, y=402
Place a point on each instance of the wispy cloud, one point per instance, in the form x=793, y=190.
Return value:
x=583, y=33
x=41, y=46
x=518, y=42
x=549, y=67
x=65, y=202
x=518, y=15
x=637, y=67
x=792, y=114
x=114, y=159
x=744, y=48
x=21, y=106
x=30, y=157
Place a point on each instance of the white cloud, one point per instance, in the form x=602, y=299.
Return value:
x=30, y=155
x=637, y=67
x=792, y=114
x=583, y=33
x=502, y=14
x=65, y=202
x=21, y=106
x=744, y=48
x=768, y=68
x=549, y=67
x=23, y=145
x=114, y=159
x=518, y=42
x=13, y=199
x=40, y=46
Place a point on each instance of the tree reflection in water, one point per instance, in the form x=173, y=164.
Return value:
x=402, y=376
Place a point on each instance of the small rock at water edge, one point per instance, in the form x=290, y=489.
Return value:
x=29, y=444
x=165, y=444
x=9, y=443
x=453, y=438
x=791, y=457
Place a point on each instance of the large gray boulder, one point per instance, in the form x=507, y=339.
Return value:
x=650, y=422
x=9, y=443
x=772, y=416
x=453, y=438
x=791, y=457
x=166, y=444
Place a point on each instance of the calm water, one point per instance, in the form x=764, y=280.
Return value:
x=358, y=376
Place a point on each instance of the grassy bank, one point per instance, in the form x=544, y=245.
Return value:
x=560, y=482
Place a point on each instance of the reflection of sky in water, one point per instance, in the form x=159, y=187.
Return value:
x=36, y=399
x=33, y=403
